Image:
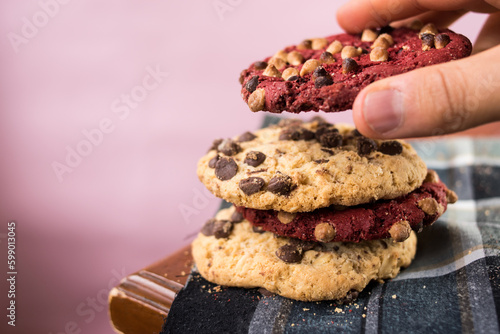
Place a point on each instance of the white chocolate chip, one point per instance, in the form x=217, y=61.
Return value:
x=381, y=42
x=281, y=55
x=271, y=71
x=295, y=58
x=286, y=217
x=257, y=100
x=451, y=196
x=335, y=47
x=277, y=62
x=309, y=66
x=324, y=232
x=368, y=35
x=431, y=176
x=430, y=206
x=290, y=72
x=351, y=52
x=379, y=54
x=319, y=43
x=388, y=38
x=400, y=231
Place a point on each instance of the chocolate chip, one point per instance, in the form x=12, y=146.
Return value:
x=419, y=227
x=280, y=184
x=252, y=185
x=322, y=128
x=208, y=228
x=441, y=41
x=366, y=146
x=213, y=161
x=386, y=30
x=331, y=138
x=225, y=168
x=307, y=135
x=247, y=136
x=265, y=293
x=349, y=65
x=326, y=58
x=318, y=119
x=391, y=147
x=293, y=78
x=327, y=151
x=356, y=133
x=236, y=217
x=258, y=229
x=289, y=254
x=303, y=244
x=320, y=72
x=260, y=65
x=215, y=145
x=427, y=41
x=254, y=158
x=296, y=133
x=290, y=133
x=306, y=44
x=229, y=147
x=321, y=161
x=222, y=228
x=323, y=81
x=252, y=84
x=349, y=298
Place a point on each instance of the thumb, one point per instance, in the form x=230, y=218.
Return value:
x=434, y=100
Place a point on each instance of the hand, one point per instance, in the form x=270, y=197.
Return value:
x=434, y=100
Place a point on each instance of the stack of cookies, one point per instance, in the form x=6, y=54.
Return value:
x=319, y=210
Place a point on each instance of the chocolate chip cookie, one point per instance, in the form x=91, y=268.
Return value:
x=300, y=166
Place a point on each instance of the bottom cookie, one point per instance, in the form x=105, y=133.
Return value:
x=328, y=271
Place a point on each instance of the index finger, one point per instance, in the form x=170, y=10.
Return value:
x=357, y=15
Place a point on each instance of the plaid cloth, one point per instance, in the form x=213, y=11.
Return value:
x=452, y=286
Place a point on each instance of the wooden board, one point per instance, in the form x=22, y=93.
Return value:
x=140, y=303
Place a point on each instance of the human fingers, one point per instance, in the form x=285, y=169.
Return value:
x=440, y=19
x=434, y=100
x=489, y=35
x=357, y=15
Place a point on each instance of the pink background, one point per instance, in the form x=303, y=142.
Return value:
x=120, y=208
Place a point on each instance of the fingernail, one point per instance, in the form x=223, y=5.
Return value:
x=383, y=110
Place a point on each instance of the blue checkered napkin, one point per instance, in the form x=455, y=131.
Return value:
x=452, y=286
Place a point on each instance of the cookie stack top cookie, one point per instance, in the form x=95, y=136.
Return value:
x=328, y=73
x=300, y=166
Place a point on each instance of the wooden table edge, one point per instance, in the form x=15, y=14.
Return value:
x=141, y=301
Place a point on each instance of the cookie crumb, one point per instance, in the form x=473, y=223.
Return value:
x=394, y=296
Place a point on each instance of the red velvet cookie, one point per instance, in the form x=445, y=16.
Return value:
x=383, y=219
x=328, y=73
